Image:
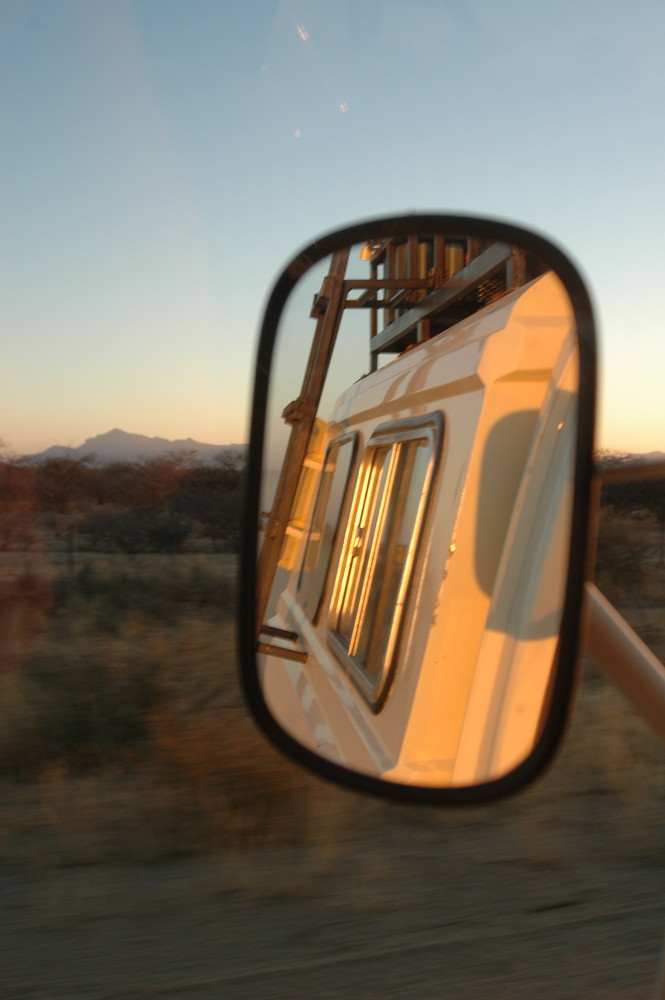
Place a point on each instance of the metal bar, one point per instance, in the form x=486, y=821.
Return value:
x=627, y=661
x=423, y=331
x=279, y=633
x=396, y=301
x=413, y=255
x=475, y=248
x=439, y=260
x=375, y=304
x=281, y=651
x=367, y=300
x=388, y=283
x=516, y=269
x=463, y=281
x=391, y=268
x=373, y=318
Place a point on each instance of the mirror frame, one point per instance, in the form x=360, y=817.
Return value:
x=580, y=547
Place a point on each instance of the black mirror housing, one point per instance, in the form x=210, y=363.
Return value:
x=410, y=601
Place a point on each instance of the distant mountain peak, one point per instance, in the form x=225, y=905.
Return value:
x=117, y=445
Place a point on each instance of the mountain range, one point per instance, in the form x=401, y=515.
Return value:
x=120, y=446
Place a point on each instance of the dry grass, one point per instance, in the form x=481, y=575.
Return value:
x=123, y=731
x=124, y=736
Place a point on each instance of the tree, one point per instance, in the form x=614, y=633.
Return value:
x=60, y=481
x=18, y=509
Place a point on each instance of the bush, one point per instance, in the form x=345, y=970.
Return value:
x=620, y=555
x=74, y=710
x=136, y=531
x=105, y=596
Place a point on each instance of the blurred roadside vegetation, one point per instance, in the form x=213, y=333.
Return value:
x=123, y=735
x=160, y=505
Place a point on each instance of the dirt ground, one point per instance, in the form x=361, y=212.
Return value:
x=556, y=893
x=490, y=928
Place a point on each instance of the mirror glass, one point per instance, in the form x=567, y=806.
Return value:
x=416, y=506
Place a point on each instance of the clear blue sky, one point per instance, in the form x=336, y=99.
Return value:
x=159, y=160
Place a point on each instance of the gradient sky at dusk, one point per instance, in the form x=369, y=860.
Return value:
x=160, y=160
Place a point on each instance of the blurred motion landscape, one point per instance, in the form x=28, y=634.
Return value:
x=160, y=162
x=153, y=844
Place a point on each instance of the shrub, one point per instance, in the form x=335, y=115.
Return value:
x=74, y=710
x=104, y=595
x=620, y=555
x=136, y=531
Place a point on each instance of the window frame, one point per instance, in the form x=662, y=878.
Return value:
x=380, y=501
x=352, y=438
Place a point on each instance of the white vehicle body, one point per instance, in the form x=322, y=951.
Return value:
x=482, y=417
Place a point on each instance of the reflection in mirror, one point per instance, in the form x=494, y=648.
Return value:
x=417, y=489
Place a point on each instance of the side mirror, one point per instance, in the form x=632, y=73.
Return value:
x=417, y=511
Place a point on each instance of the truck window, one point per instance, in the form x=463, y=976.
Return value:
x=325, y=522
x=373, y=578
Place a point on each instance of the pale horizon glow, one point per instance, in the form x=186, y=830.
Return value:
x=161, y=161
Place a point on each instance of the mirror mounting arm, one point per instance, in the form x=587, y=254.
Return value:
x=627, y=661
